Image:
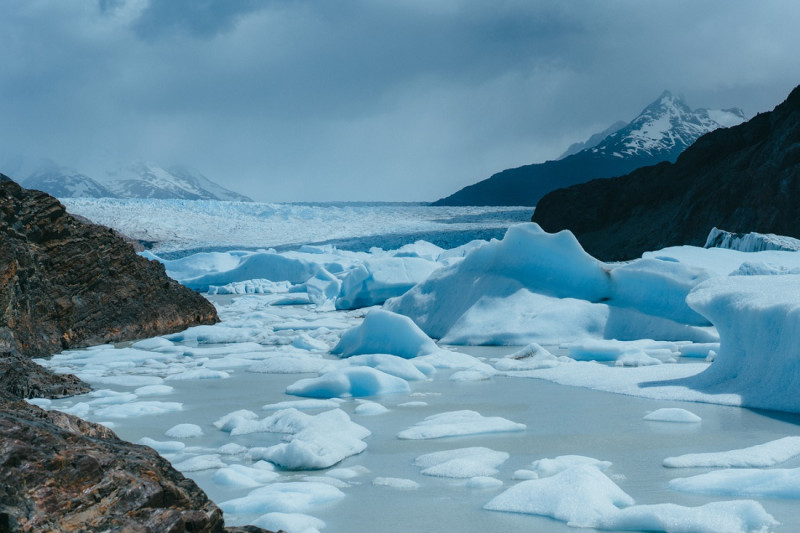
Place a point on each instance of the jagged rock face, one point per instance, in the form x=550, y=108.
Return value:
x=67, y=284
x=61, y=473
x=745, y=178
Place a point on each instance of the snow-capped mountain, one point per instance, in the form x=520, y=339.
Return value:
x=666, y=127
x=145, y=180
x=594, y=140
x=64, y=182
x=663, y=130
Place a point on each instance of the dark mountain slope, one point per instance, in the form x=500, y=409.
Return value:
x=744, y=178
x=661, y=132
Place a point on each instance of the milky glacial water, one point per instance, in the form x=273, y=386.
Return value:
x=560, y=420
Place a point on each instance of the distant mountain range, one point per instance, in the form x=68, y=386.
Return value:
x=741, y=179
x=140, y=180
x=663, y=130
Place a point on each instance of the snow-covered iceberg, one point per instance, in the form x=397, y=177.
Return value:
x=534, y=286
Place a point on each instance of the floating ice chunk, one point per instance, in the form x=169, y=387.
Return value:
x=110, y=397
x=184, y=431
x=408, y=369
x=44, y=403
x=455, y=360
x=156, y=344
x=349, y=472
x=200, y=462
x=380, y=278
x=657, y=287
x=774, y=483
x=484, y=482
x=396, y=483
x=289, y=522
x=251, y=286
x=293, y=497
x=349, y=382
x=455, y=423
x=316, y=442
x=645, y=351
x=366, y=407
x=201, y=263
x=464, y=376
x=579, y=495
x=332, y=481
x=530, y=357
x=524, y=474
x=134, y=409
x=232, y=449
x=385, y=332
x=698, y=349
x=331, y=403
x=538, y=287
x=126, y=380
x=673, y=414
x=304, y=342
x=289, y=364
x=639, y=358
x=231, y=420
x=263, y=265
x=323, y=289
x=423, y=249
x=164, y=446
x=549, y=467
x=761, y=455
x=755, y=315
x=462, y=463
x=245, y=477
x=412, y=404
x=198, y=373
x=744, y=516
x=216, y=334
x=153, y=390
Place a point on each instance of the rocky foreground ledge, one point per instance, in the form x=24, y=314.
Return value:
x=65, y=284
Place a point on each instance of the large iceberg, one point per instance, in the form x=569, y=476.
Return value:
x=758, y=318
x=534, y=286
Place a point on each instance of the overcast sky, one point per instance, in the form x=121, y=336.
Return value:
x=290, y=100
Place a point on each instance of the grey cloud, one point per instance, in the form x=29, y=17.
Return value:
x=367, y=99
x=198, y=18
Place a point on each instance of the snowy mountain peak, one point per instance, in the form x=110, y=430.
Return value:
x=64, y=182
x=147, y=180
x=665, y=127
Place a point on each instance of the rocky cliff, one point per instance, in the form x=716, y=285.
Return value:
x=67, y=284
x=744, y=178
x=64, y=284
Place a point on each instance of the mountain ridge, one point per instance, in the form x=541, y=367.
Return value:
x=659, y=133
x=742, y=179
x=137, y=180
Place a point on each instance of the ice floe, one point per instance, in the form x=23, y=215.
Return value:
x=458, y=423
x=673, y=414
x=461, y=463
x=761, y=455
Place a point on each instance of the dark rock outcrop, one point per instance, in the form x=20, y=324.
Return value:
x=745, y=178
x=64, y=283
x=61, y=473
x=67, y=284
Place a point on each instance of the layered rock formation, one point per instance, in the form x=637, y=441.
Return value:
x=67, y=284
x=61, y=473
x=745, y=178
